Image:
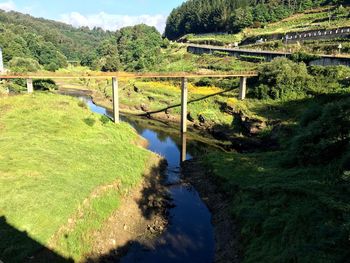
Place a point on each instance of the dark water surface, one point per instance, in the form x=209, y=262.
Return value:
x=189, y=236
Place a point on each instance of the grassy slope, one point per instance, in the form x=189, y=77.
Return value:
x=310, y=20
x=54, y=154
x=286, y=214
x=176, y=59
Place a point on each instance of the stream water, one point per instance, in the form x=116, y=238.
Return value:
x=189, y=236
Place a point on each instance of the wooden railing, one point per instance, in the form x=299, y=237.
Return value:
x=126, y=75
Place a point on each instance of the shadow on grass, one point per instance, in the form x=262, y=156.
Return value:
x=292, y=110
x=17, y=246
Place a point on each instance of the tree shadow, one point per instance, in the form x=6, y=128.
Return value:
x=167, y=246
x=17, y=246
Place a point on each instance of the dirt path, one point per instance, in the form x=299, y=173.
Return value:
x=227, y=243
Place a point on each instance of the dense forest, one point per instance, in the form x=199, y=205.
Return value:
x=131, y=48
x=207, y=16
x=30, y=44
x=49, y=43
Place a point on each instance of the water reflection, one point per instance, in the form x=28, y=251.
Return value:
x=189, y=236
x=183, y=147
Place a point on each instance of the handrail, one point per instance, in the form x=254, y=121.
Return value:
x=93, y=75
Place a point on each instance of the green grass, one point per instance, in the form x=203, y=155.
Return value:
x=54, y=154
x=286, y=212
x=285, y=215
x=176, y=59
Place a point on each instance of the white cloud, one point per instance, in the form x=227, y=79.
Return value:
x=8, y=6
x=113, y=22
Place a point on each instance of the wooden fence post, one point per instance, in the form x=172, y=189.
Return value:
x=243, y=88
x=115, y=100
x=184, y=96
x=30, y=88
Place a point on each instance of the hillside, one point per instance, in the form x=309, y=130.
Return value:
x=272, y=35
x=49, y=42
x=204, y=16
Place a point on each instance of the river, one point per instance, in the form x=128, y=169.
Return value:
x=189, y=236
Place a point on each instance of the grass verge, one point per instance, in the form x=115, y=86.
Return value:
x=61, y=167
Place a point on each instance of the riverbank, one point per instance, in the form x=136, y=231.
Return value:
x=201, y=135
x=286, y=209
x=239, y=132
x=69, y=170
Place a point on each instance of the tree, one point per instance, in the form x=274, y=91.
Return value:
x=283, y=78
x=243, y=17
x=23, y=65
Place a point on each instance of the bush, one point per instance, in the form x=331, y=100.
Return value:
x=304, y=57
x=283, y=79
x=330, y=79
x=16, y=85
x=104, y=119
x=45, y=85
x=22, y=65
x=324, y=135
x=256, y=59
x=52, y=67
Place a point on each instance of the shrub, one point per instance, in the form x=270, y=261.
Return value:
x=15, y=85
x=257, y=59
x=283, y=79
x=104, y=119
x=44, y=85
x=324, y=135
x=330, y=79
x=21, y=65
x=304, y=57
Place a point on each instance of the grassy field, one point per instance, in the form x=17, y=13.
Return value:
x=63, y=171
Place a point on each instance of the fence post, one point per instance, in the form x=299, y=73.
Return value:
x=2, y=70
x=115, y=100
x=242, y=88
x=184, y=95
x=30, y=85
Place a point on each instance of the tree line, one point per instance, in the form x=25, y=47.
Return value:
x=134, y=48
x=30, y=44
x=208, y=16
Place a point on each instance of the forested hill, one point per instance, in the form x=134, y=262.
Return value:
x=49, y=42
x=208, y=16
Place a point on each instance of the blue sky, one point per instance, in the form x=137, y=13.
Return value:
x=108, y=14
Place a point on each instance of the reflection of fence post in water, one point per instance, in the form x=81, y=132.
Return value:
x=183, y=147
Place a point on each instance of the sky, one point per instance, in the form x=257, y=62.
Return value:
x=108, y=14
